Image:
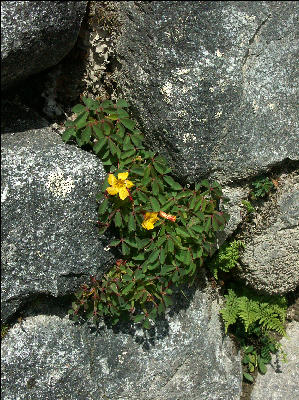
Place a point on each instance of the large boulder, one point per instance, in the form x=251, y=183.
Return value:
x=49, y=235
x=270, y=258
x=186, y=358
x=36, y=35
x=213, y=85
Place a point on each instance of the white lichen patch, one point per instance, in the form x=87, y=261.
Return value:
x=175, y=326
x=218, y=114
x=166, y=90
x=58, y=185
x=104, y=364
x=188, y=137
x=271, y=106
x=218, y=53
x=255, y=106
x=182, y=113
x=4, y=194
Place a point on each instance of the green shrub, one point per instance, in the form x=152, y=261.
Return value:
x=164, y=231
x=261, y=187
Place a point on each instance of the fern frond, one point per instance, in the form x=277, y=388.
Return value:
x=248, y=310
x=230, y=311
x=271, y=318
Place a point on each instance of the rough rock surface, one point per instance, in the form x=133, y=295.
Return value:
x=186, y=359
x=281, y=380
x=271, y=256
x=36, y=35
x=213, y=84
x=49, y=237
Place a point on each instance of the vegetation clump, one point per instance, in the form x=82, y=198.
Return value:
x=164, y=230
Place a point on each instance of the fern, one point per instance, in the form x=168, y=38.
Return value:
x=226, y=258
x=248, y=308
x=230, y=312
x=248, y=311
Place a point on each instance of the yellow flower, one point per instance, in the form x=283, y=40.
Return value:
x=119, y=185
x=149, y=219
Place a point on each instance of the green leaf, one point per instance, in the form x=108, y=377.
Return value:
x=172, y=183
x=137, y=170
x=248, y=377
x=128, y=123
x=128, y=288
x=80, y=121
x=67, y=134
x=155, y=187
x=78, y=108
x=112, y=147
x=162, y=255
x=127, y=143
x=114, y=243
x=138, y=318
x=166, y=269
x=137, y=140
x=122, y=103
x=153, y=257
x=107, y=128
x=85, y=136
x=103, y=207
x=181, y=231
x=132, y=223
x=139, y=257
x=106, y=104
x=146, y=324
x=90, y=103
x=97, y=147
x=128, y=153
x=120, y=129
x=262, y=367
x=118, y=219
x=159, y=168
x=170, y=245
x=125, y=249
x=155, y=204
x=98, y=131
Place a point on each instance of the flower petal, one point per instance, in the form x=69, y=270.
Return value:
x=123, y=176
x=112, y=190
x=111, y=180
x=123, y=193
x=129, y=184
x=147, y=225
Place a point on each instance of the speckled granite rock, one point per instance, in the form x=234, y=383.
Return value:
x=281, y=380
x=213, y=84
x=49, y=237
x=271, y=256
x=36, y=35
x=49, y=358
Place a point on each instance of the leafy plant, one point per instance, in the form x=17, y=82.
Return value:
x=164, y=231
x=226, y=258
x=249, y=207
x=252, y=317
x=4, y=330
x=261, y=187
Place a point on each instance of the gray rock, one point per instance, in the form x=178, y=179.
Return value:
x=271, y=256
x=186, y=359
x=49, y=235
x=36, y=35
x=281, y=380
x=213, y=84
